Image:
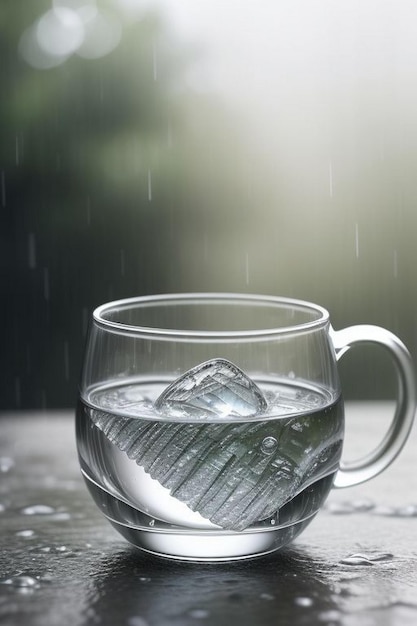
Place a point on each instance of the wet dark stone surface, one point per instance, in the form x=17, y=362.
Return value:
x=62, y=563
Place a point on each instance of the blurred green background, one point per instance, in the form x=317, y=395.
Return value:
x=198, y=145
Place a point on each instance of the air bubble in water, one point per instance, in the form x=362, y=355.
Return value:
x=269, y=445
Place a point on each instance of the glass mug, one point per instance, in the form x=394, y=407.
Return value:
x=210, y=426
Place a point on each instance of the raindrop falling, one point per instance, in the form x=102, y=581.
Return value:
x=395, y=264
x=247, y=268
x=169, y=136
x=32, y=251
x=88, y=211
x=66, y=361
x=154, y=63
x=357, y=240
x=149, y=185
x=28, y=359
x=122, y=262
x=17, y=151
x=17, y=391
x=85, y=318
x=46, y=283
x=330, y=179
x=3, y=189
x=43, y=400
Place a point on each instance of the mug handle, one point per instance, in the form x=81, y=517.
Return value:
x=356, y=472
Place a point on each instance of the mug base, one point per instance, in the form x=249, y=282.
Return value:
x=209, y=546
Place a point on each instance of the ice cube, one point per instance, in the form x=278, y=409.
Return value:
x=214, y=388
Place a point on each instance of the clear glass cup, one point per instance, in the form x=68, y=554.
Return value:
x=210, y=426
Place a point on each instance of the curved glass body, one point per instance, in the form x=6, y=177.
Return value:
x=210, y=426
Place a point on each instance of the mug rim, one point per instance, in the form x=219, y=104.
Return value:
x=99, y=312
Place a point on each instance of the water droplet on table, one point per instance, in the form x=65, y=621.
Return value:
x=410, y=510
x=38, y=509
x=25, y=533
x=135, y=620
x=367, y=559
x=21, y=581
x=330, y=617
x=267, y=596
x=385, y=511
x=303, y=601
x=6, y=464
x=339, y=508
x=362, y=505
x=199, y=613
x=356, y=559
